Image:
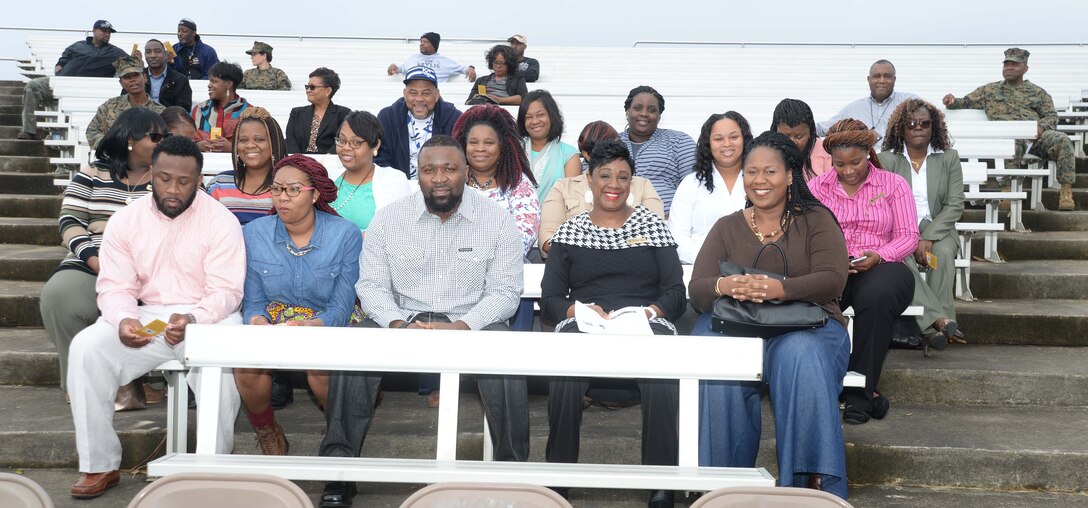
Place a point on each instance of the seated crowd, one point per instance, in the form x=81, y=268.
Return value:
x=436, y=210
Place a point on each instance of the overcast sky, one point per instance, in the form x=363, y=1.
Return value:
x=576, y=22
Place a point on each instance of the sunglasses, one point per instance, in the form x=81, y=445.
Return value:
x=313, y=87
x=157, y=136
x=919, y=124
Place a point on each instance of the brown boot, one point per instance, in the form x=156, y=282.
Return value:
x=272, y=439
x=1065, y=198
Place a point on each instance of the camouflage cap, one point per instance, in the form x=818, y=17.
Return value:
x=259, y=47
x=127, y=65
x=1017, y=55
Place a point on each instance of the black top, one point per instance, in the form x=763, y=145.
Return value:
x=515, y=85
x=298, y=128
x=612, y=279
x=85, y=60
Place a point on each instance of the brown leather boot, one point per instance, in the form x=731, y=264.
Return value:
x=1065, y=198
x=271, y=439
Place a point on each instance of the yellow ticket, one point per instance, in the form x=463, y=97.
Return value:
x=152, y=329
x=931, y=260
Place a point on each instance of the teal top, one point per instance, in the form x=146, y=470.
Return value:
x=547, y=164
x=355, y=202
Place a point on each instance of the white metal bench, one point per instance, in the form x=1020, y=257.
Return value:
x=455, y=353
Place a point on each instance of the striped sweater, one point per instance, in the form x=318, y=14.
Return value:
x=664, y=159
x=90, y=199
x=246, y=207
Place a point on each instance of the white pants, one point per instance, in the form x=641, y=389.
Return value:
x=99, y=363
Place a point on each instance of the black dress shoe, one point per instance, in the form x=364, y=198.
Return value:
x=881, y=405
x=338, y=494
x=283, y=393
x=662, y=499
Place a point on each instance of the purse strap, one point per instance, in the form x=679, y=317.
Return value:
x=781, y=253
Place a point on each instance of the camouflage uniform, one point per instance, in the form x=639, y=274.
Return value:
x=1025, y=101
x=37, y=94
x=271, y=79
x=108, y=113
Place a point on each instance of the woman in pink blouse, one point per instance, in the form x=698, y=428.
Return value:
x=876, y=211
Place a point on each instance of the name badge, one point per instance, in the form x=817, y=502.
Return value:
x=638, y=240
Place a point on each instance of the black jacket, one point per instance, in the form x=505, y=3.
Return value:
x=298, y=128
x=394, y=151
x=83, y=59
x=515, y=85
x=175, y=89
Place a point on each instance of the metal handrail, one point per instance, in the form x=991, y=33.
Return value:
x=301, y=38
x=855, y=44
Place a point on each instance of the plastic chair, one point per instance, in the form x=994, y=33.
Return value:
x=206, y=490
x=18, y=491
x=769, y=497
x=484, y=495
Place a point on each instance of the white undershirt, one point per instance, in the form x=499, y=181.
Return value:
x=695, y=210
x=919, y=183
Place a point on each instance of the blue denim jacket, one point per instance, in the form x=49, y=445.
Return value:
x=323, y=279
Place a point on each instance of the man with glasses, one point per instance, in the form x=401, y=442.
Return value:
x=412, y=120
x=176, y=256
x=443, y=258
x=89, y=58
x=133, y=81
x=875, y=109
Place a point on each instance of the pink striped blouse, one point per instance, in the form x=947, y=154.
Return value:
x=880, y=217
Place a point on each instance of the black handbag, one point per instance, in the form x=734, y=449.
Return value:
x=768, y=319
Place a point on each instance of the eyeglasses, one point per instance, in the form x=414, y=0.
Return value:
x=313, y=87
x=354, y=143
x=157, y=136
x=292, y=191
x=919, y=124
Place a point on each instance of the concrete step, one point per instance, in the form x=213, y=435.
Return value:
x=30, y=231
x=28, y=183
x=976, y=374
x=1051, y=278
x=1041, y=220
x=1011, y=448
x=7, y=99
x=9, y=132
x=11, y=119
x=26, y=205
x=1080, y=197
x=22, y=147
x=27, y=358
x=29, y=262
x=1025, y=321
x=1039, y=245
x=19, y=303
x=26, y=164
x=10, y=108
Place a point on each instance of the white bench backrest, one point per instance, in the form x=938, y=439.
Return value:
x=974, y=174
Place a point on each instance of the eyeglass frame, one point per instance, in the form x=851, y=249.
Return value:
x=314, y=87
x=276, y=190
x=919, y=124
x=355, y=145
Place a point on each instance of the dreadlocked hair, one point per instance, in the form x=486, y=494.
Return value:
x=319, y=179
x=512, y=160
x=799, y=199
x=644, y=89
x=704, y=158
x=895, y=138
x=849, y=132
x=794, y=112
x=275, y=140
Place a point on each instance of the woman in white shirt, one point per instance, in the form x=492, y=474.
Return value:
x=715, y=187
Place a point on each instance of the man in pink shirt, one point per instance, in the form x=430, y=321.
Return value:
x=175, y=255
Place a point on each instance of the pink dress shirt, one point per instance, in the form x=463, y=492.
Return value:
x=197, y=258
x=880, y=217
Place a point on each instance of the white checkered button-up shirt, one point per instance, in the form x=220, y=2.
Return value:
x=468, y=267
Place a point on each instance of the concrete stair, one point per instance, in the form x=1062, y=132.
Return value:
x=997, y=422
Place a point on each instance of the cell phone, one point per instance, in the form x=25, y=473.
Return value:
x=858, y=259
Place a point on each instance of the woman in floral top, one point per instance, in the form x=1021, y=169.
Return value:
x=498, y=166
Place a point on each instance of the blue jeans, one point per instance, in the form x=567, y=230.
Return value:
x=804, y=371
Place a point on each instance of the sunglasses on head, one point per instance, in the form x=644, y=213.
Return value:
x=919, y=124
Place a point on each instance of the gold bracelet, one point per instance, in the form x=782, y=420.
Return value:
x=718, y=291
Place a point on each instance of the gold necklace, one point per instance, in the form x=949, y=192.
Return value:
x=917, y=165
x=762, y=236
x=131, y=188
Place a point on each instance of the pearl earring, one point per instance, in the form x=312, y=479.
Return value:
x=130, y=148
x=375, y=153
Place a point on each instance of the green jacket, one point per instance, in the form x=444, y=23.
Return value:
x=944, y=190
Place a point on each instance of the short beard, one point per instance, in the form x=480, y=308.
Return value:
x=174, y=214
x=446, y=206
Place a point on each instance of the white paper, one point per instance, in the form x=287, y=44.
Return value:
x=625, y=321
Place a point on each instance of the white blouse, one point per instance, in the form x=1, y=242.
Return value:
x=695, y=210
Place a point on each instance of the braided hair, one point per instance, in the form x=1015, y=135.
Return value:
x=794, y=112
x=275, y=140
x=704, y=158
x=849, y=132
x=644, y=89
x=799, y=198
x=512, y=160
x=895, y=138
x=319, y=178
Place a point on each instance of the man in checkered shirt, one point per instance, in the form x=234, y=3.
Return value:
x=442, y=258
